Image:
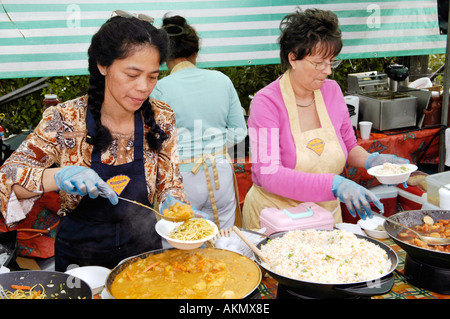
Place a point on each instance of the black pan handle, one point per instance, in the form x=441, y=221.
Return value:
x=376, y=287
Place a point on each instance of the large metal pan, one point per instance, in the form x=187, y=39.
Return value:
x=252, y=293
x=410, y=219
x=378, y=286
x=57, y=285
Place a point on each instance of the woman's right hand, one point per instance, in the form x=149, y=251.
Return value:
x=80, y=180
x=355, y=197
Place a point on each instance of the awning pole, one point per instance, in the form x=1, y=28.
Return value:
x=444, y=110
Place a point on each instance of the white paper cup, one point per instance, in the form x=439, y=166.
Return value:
x=364, y=128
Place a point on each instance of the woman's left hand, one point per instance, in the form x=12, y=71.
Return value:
x=375, y=159
x=355, y=197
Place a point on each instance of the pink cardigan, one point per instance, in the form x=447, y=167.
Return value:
x=275, y=172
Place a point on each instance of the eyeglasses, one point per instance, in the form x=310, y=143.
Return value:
x=322, y=65
x=139, y=16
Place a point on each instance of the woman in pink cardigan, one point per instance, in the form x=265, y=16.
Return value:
x=300, y=130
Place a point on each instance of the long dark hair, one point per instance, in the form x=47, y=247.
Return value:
x=116, y=39
x=302, y=31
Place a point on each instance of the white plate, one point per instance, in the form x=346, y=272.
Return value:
x=94, y=276
x=392, y=179
x=164, y=228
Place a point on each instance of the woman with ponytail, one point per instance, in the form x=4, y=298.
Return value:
x=209, y=118
x=114, y=141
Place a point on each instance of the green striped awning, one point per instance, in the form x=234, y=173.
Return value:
x=51, y=37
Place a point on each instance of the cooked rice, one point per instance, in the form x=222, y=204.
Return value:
x=391, y=169
x=334, y=256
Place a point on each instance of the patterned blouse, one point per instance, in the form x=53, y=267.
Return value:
x=60, y=139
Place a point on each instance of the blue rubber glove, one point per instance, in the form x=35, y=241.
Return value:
x=355, y=197
x=80, y=180
x=375, y=159
x=170, y=200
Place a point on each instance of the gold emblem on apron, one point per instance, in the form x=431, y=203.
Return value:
x=118, y=183
x=316, y=145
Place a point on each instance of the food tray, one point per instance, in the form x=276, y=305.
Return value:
x=434, y=182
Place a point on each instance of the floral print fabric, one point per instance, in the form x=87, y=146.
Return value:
x=60, y=139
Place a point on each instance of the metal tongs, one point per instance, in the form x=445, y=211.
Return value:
x=169, y=218
x=432, y=241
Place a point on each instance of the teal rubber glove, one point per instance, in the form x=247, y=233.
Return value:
x=355, y=197
x=80, y=180
x=376, y=159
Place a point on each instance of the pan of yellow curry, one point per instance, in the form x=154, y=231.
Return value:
x=202, y=273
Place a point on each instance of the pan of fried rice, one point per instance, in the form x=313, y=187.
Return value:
x=329, y=263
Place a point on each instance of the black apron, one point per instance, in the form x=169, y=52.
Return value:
x=99, y=233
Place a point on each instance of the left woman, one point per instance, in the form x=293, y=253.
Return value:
x=114, y=141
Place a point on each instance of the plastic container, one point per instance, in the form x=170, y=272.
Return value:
x=444, y=197
x=434, y=182
x=307, y=215
x=426, y=205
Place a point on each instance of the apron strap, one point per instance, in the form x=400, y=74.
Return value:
x=201, y=161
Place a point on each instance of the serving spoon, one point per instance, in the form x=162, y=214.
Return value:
x=432, y=241
x=169, y=218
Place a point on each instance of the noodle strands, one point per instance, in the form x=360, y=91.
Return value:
x=193, y=229
x=27, y=292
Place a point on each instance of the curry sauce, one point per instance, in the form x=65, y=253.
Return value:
x=207, y=273
x=440, y=229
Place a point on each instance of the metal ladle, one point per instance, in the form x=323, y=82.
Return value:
x=432, y=241
x=169, y=218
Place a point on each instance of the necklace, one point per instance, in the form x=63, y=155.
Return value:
x=124, y=141
x=310, y=103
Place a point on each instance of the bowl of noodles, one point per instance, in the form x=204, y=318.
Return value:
x=392, y=174
x=189, y=234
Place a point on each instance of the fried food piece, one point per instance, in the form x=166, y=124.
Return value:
x=179, y=211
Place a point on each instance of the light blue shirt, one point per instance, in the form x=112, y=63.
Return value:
x=208, y=112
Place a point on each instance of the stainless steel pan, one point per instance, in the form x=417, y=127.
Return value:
x=412, y=218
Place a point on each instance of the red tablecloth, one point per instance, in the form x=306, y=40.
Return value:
x=415, y=145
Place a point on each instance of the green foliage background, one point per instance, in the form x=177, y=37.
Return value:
x=26, y=112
